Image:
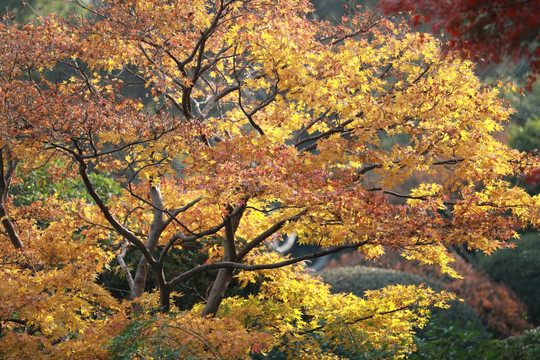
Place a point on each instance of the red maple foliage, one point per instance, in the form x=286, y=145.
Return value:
x=532, y=176
x=489, y=30
x=498, y=307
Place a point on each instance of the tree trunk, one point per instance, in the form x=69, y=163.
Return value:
x=217, y=293
x=6, y=173
x=141, y=273
x=224, y=276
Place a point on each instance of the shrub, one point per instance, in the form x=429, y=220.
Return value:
x=519, y=268
x=499, y=308
x=525, y=346
x=445, y=339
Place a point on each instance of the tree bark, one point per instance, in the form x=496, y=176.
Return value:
x=224, y=276
x=7, y=169
x=156, y=228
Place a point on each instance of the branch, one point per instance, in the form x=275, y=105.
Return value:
x=234, y=265
x=325, y=134
x=353, y=34
x=448, y=162
x=107, y=152
x=266, y=234
x=212, y=100
x=156, y=227
x=249, y=115
x=194, y=236
x=120, y=258
x=405, y=307
x=308, y=126
x=172, y=215
x=5, y=180
x=199, y=48
x=231, y=225
x=367, y=169
x=422, y=74
x=120, y=229
x=404, y=196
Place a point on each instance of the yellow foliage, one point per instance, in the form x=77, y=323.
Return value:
x=249, y=121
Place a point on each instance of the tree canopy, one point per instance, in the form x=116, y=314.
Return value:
x=253, y=120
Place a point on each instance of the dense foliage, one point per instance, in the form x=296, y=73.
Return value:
x=253, y=120
x=526, y=346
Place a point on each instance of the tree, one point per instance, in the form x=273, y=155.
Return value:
x=485, y=29
x=256, y=121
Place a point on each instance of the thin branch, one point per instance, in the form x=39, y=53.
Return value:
x=173, y=214
x=120, y=259
x=234, y=265
x=107, y=152
x=422, y=74
x=355, y=33
x=340, y=128
x=317, y=328
x=308, y=126
x=266, y=234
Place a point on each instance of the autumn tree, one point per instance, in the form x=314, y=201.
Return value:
x=485, y=29
x=255, y=120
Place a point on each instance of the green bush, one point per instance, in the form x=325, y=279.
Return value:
x=525, y=137
x=525, y=346
x=454, y=340
x=518, y=268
